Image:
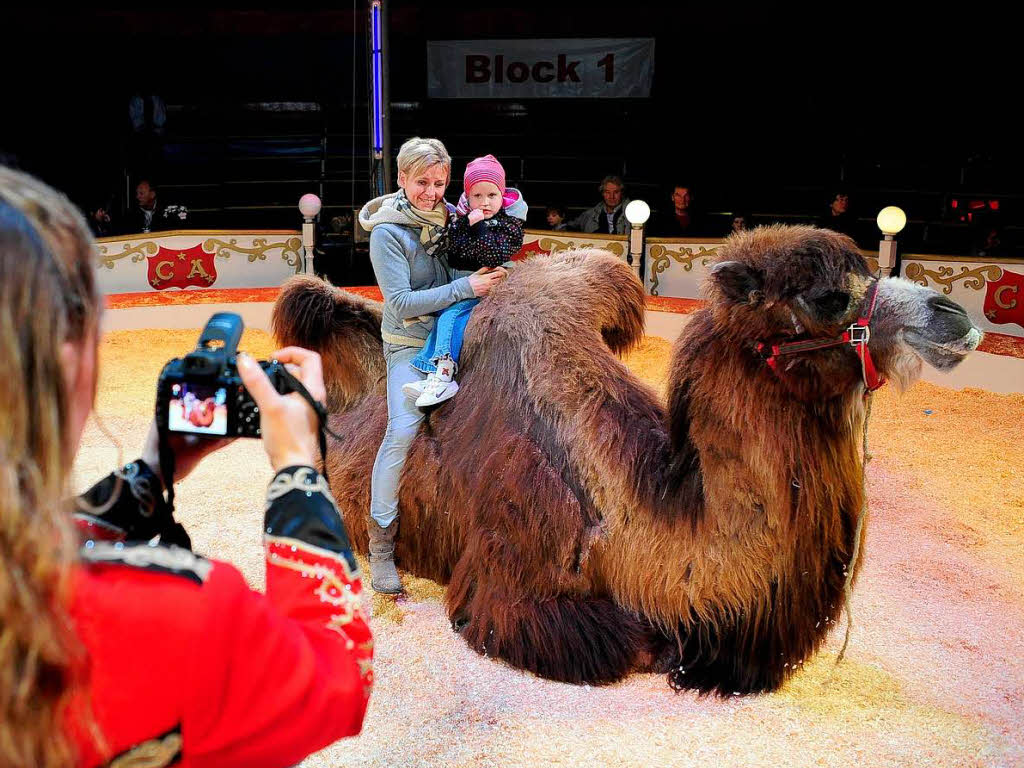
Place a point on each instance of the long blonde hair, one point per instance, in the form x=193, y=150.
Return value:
x=47, y=296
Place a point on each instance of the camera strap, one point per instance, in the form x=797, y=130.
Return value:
x=166, y=465
x=318, y=408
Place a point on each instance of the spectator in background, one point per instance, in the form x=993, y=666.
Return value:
x=608, y=216
x=151, y=214
x=741, y=222
x=838, y=217
x=100, y=216
x=556, y=215
x=99, y=220
x=682, y=219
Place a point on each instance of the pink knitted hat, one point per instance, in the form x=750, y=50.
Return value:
x=486, y=168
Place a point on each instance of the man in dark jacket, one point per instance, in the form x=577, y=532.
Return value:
x=681, y=219
x=152, y=215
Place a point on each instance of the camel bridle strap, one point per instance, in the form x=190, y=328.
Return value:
x=857, y=335
x=857, y=534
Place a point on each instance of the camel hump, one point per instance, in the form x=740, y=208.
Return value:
x=589, y=285
x=342, y=327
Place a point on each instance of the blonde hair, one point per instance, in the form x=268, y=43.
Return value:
x=47, y=296
x=417, y=155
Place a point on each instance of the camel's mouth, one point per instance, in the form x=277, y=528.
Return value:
x=943, y=355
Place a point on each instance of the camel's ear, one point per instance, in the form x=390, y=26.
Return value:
x=737, y=282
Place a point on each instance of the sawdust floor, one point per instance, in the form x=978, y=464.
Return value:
x=935, y=670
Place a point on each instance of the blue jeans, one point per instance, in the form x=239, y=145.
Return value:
x=404, y=420
x=446, y=338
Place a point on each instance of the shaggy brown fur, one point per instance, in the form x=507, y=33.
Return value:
x=585, y=533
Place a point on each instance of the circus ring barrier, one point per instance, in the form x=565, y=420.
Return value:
x=142, y=274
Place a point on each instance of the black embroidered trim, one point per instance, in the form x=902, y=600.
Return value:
x=149, y=557
x=300, y=506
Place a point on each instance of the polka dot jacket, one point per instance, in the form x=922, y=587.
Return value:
x=488, y=243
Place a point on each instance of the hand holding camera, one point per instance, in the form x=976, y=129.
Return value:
x=216, y=392
x=289, y=425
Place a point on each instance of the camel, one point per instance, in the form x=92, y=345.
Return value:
x=586, y=532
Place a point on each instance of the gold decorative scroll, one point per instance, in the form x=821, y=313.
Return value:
x=260, y=246
x=662, y=257
x=138, y=253
x=974, y=279
x=552, y=245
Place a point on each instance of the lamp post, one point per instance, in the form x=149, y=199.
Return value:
x=309, y=206
x=637, y=214
x=891, y=220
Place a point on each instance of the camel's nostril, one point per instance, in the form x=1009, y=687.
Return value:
x=942, y=304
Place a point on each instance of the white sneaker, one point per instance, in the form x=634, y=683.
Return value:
x=414, y=389
x=437, y=392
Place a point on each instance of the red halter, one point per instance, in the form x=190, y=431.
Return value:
x=857, y=336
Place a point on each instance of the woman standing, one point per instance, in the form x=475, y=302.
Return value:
x=406, y=229
x=128, y=652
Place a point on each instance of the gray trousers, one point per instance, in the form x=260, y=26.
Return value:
x=403, y=422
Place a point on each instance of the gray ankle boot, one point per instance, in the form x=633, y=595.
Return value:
x=383, y=574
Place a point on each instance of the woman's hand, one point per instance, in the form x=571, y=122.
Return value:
x=483, y=280
x=289, y=425
x=189, y=450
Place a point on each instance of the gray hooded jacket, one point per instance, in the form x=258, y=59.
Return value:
x=414, y=283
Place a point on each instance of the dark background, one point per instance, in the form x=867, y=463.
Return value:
x=757, y=110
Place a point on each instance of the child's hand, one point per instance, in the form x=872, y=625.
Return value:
x=476, y=215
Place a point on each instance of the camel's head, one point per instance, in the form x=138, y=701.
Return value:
x=784, y=284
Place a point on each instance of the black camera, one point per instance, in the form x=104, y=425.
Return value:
x=202, y=394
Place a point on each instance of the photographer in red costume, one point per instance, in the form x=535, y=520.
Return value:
x=115, y=649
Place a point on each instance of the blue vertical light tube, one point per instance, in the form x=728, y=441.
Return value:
x=378, y=96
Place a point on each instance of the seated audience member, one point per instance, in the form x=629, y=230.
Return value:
x=556, y=215
x=608, y=216
x=838, y=217
x=741, y=222
x=681, y=219
x=152, y=214
x=99, y=219
x=119, y=649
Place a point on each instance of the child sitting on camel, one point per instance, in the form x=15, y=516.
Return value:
x=487, y=232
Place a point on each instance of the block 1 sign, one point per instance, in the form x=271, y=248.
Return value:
x=496, y=69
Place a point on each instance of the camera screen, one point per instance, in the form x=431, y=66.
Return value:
x=198, y=409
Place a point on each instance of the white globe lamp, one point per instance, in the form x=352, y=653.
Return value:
x=891, y=220
x=637, y=213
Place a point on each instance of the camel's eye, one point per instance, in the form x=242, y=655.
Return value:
x=832, y=303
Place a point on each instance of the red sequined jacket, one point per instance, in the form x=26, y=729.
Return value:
x=188, y=666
